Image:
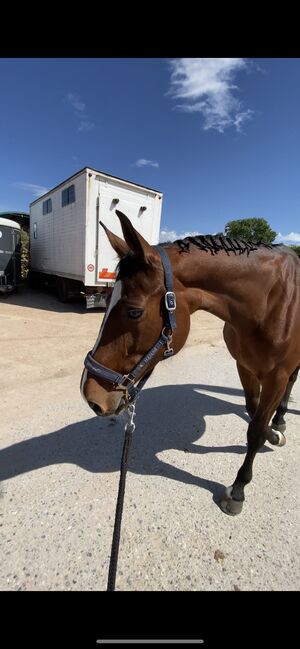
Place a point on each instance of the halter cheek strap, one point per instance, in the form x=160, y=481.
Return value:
x=127, y=381
x=170, y=298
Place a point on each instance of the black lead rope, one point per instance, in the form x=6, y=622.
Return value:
x=129, y=429
x=130, y=426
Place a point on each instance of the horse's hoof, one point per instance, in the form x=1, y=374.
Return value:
x=229, y=505
x=280, y=427
x=276, y=438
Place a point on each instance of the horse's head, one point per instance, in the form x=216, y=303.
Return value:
x=135, y=318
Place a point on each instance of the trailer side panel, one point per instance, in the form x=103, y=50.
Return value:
x=57, y=237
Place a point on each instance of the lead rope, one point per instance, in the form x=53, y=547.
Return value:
x=129, y=429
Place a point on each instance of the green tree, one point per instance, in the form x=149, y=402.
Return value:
x=297, y=250
x=253, y=229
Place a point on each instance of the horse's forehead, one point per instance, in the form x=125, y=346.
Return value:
x=141, y=280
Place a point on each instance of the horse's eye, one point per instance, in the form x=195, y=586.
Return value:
x=135, y=313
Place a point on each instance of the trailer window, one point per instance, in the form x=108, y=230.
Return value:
x=68, y=195
x=47, y=206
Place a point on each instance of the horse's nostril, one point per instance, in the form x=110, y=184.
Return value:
x=95, y=408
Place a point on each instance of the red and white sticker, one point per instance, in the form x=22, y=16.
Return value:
x=106, y=274
x=91, y=267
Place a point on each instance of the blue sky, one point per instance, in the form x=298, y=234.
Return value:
x=219, y=137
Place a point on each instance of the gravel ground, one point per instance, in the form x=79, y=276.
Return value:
x=59, y=467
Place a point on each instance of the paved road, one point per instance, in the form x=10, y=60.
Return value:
x=59, y=468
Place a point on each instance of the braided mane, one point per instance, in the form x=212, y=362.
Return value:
x=213, y=243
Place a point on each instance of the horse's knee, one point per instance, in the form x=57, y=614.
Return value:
x=251, y=406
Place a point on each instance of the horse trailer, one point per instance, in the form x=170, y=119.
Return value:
x=10, y=255
x=69, y=247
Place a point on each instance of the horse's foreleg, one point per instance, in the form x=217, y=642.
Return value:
x=273, y=388
x=251, y=387
x=278, y=421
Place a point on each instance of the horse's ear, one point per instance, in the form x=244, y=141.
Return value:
x=117, y=243
x=133, y=238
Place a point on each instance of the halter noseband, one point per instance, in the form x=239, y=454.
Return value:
x=126, y=381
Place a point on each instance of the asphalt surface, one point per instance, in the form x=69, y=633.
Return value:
x=59, y=468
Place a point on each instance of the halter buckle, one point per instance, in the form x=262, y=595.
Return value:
x=129, y=380
x=170, y=301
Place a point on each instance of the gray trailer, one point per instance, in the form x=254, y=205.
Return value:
x=10, y=255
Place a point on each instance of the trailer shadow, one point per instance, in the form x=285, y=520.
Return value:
x=168, y=417
x=47, y=300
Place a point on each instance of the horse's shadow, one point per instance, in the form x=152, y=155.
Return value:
x=168, y=417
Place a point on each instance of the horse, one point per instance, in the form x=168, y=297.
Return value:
x=253, y=287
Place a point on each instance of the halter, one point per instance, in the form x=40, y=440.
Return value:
x=126, y=382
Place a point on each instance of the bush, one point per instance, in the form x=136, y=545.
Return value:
x=297, y=250
x=24, y=253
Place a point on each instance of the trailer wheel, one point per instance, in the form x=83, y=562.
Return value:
x=62, y=289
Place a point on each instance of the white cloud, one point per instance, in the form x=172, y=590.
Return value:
x=36, y=190
x=144, y=163
x=86, y=126
x=81, y=115
x=75, y=101
x=206, y=86
x=293, y=237
x=85, y=123
x=171, y=235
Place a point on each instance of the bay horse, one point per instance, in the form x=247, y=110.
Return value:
x=253, y=287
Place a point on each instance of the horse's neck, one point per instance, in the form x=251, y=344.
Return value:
x=217, y=283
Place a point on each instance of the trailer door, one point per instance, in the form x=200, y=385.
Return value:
x=137, y=205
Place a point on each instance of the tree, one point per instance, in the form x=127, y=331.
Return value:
x=297, y=250
x=253, y=229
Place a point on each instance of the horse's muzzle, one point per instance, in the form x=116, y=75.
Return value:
x=100, y=412
x=97, y=410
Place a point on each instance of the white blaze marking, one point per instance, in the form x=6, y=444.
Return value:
x=115, y=297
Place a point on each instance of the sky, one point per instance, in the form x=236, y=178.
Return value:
x=219, y=137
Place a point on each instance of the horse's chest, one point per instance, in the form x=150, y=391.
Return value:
x=251, y=348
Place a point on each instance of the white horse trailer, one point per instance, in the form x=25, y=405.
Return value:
x=10, y=255
x=67, y=243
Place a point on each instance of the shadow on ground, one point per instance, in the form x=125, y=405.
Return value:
x=46, y=299
x=168, y=417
